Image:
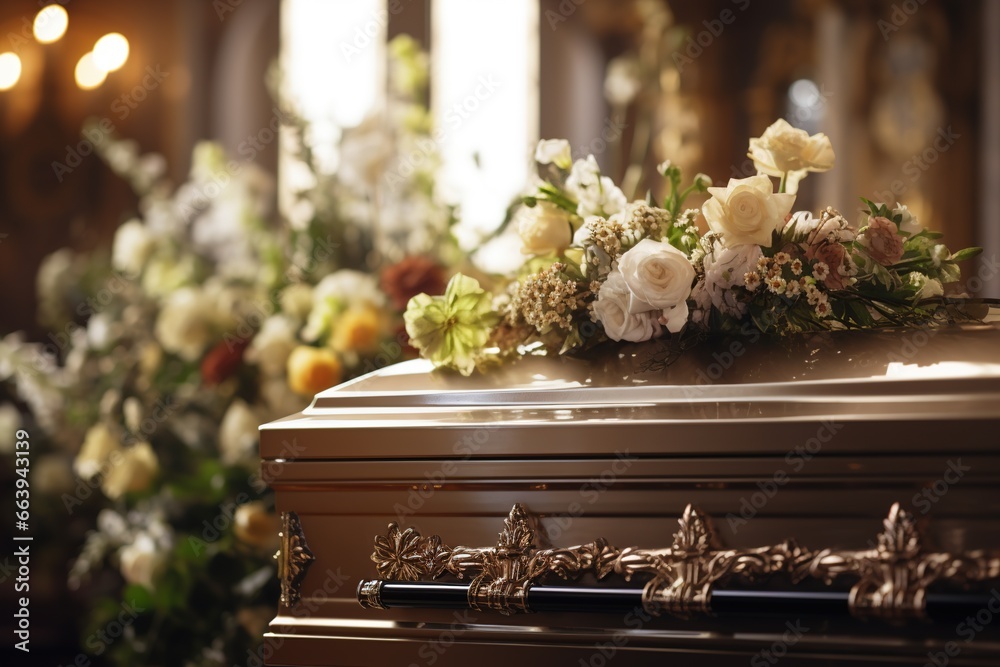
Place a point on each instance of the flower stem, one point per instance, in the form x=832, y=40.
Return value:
x=784, y=178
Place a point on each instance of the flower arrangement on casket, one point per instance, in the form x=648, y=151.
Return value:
x=207, y=320
x=599, y=268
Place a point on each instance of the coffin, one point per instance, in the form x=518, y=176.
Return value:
x=821, y=500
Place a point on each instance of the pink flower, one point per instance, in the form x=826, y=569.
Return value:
x=831, y=254
x=883, y=241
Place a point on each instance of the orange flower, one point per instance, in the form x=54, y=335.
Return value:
x=311, y=370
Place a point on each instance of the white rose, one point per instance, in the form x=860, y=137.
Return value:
x=271, y=346
x=141, y=560
x=784, y=149
x=238, y=433
x=544, y=228
x=595, y=194
x=612, y=307
x=132, y=247
x=133, y=471
x=657, y=274
x=747, y=210
x=187, y=323
x=554, y=151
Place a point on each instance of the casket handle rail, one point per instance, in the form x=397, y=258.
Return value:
x=891, y=580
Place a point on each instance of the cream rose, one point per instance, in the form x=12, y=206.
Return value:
x=238, y=433
x=747, y=210
x=657, y=274
x=554, y=151
x=544, y=228
x=133, y=471
x=141, y=560
x=612, y=310
x=98, y=446
x=784, y=149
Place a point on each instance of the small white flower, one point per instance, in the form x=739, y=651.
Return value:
x=776, y=285
x=823, y=308
x=938, y=254
x=782, y=258
x=792, y=288
x=141, y=561
x=908, y=223
x=820, y=271
x=797, y=267
x=272, y=345
x=132, y=247
x=751, y=280
x=554, y=151
x=595, y=194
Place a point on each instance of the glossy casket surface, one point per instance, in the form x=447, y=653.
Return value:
x=811, y=438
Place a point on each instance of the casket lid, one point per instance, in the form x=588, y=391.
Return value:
x=901, y=376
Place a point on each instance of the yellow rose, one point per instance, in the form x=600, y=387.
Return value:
x=784, y=149
x=255, y=526
x=359, y=329
x=747, y=210
x=311, y=370
x=133, y=470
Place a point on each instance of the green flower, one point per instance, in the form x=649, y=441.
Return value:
x=451, y=330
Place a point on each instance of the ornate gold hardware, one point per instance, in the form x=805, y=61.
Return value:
x=294, y=558
x=894, y=575
x=892, y=578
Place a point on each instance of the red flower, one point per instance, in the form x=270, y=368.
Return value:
x=410, y=277
x=222, y=361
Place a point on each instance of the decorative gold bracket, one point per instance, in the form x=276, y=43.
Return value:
x=294, y=558
x=892, y=578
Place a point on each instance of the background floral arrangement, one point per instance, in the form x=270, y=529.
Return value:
x=600, y=268
x=205, y=320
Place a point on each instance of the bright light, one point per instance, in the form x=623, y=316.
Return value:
x=10, y=70
x=485, y=102
x=804, y=93
x=111, y=52
x=50, y=24
x=88, y=74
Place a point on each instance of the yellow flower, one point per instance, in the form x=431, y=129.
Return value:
x=133, y=470
x=98, y=446
x=255, y=526
x=358, y=329
x=311, y=370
